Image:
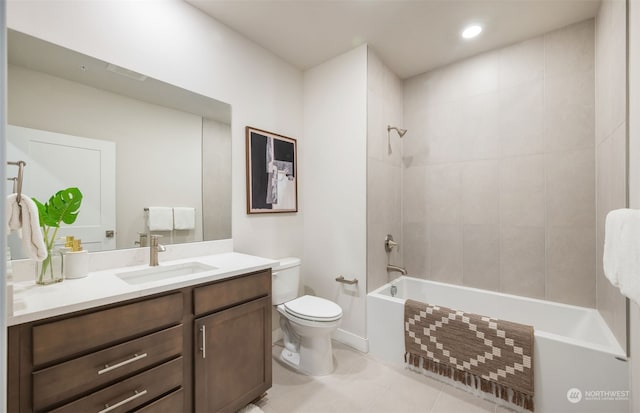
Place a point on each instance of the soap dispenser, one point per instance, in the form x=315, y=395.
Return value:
x=76, y=261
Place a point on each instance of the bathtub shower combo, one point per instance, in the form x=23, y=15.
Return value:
x=578, y=364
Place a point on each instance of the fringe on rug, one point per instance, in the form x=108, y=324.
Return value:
x=500, y=391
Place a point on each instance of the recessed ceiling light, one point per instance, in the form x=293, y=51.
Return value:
x=471, y=31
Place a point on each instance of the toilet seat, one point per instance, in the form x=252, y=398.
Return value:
x=313, y=308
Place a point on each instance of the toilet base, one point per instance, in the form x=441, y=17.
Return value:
x=315, y=357
x=291, y=358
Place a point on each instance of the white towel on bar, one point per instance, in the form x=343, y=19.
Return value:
x=32, y=238
x=184, y=218
x=621, y=260
x=160, y=219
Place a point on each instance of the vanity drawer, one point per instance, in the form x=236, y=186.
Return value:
x=130, y=393
x=73, y=336
x=171, y=403
x=224, y=294
x=66, y=380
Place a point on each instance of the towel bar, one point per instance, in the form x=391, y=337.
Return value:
x=17, y=181
x=343, y=280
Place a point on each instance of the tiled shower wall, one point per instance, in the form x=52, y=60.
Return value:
x=611, y=147
x=499, y=170
x=384, y=169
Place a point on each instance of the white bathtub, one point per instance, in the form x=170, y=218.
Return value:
x=573, y=347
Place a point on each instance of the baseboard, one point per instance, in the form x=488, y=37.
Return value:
x=352, y=340
x=276, y=335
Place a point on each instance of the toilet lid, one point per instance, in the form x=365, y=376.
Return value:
x=309, y=307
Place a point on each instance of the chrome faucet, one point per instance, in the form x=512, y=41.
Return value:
x=154, y=248
x=392, y=268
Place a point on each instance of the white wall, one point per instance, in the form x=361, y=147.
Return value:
x=335, y=200
x=634, y=183
x=176, y=43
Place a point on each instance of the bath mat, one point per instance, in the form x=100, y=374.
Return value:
x=494, y=356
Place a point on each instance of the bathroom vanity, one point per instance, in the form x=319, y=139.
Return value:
x=200, y=344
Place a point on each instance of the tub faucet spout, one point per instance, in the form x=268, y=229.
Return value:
x=392, y=268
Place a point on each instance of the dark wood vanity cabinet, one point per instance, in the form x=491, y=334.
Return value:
x=232, y=346
x=147, y=355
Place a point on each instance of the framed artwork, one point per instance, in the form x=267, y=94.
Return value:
x=272, y=184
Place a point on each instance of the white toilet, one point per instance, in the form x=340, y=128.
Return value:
x=307, y=322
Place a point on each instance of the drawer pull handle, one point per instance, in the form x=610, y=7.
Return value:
x=107, y=368
x=204, y=342
x=136, y=394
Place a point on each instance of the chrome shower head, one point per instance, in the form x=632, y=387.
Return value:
x=401, y=132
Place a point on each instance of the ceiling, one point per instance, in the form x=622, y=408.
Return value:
x=411, y=37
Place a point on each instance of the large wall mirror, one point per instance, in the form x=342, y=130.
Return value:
x=128, y=141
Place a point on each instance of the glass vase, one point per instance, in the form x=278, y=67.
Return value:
x=49, y=270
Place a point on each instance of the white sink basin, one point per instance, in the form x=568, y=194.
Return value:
x=163, y=272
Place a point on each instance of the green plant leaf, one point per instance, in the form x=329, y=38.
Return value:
x=64, y=207
x=43, y=216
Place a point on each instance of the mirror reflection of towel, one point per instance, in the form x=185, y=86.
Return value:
x=184, y=218
x=160, y=219
x=32, y=239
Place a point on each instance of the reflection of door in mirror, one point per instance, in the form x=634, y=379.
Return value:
x=88, y=164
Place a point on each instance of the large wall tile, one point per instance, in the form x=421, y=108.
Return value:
x=569, y=111
x=445, y=253
x=571, y=264
x=443, y=126
x=478, y=127
x=480, y=200
x=475, y=76
x=414, y=248
x=521, y=122
x=522, y=191
x=481, y=251
x=384, y=200
x=610, y=68
x=619, y=166
x=415, y=149
x=570, y=50
x=444, y=193
x=414, y=194
x=521, y=63
x=522, y=268
x=571, y=188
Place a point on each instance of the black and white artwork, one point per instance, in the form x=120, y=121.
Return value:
x=271, y=172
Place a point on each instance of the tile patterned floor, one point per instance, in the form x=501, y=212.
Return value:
x=361, y=383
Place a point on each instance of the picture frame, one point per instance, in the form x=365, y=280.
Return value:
x=272, y=172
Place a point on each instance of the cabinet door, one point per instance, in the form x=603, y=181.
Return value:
x=232, y=356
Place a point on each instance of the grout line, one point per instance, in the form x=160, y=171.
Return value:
x=545, y=154
x=435, y=402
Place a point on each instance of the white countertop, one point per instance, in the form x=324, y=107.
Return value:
x=35, y=302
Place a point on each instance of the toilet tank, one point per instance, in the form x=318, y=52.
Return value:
x=285, y=280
